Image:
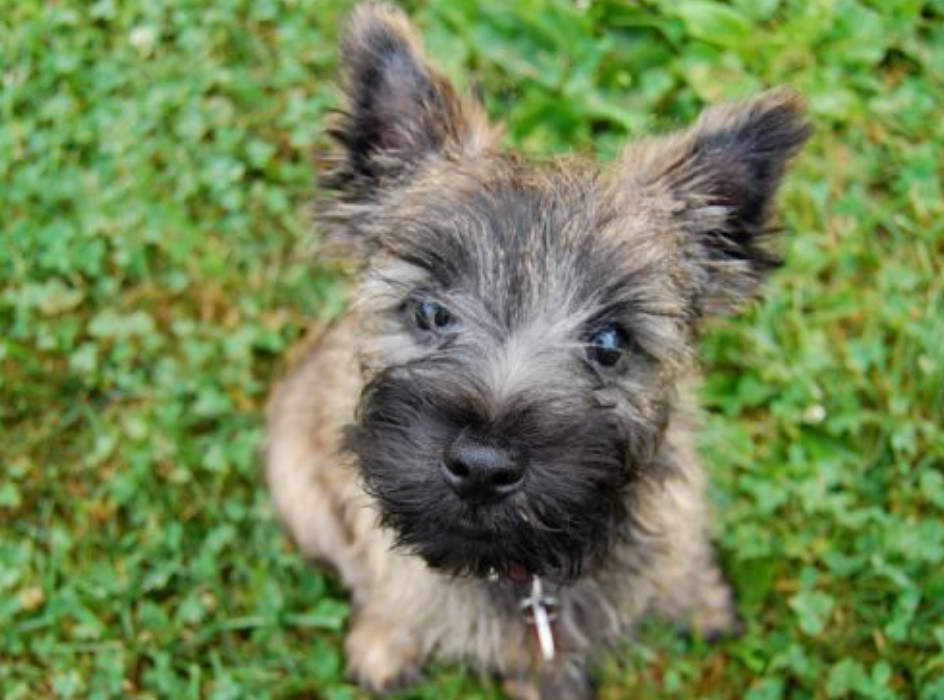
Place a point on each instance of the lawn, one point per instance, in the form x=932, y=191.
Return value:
x=156, y=165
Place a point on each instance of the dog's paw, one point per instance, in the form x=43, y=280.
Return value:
x=382, y=657
x=554, y=682
x=520, y=689
x=715, y=625
x=716, y=616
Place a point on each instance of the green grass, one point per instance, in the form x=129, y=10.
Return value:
x=155, y=168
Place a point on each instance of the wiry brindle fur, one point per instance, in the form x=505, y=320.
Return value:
x=511, y=390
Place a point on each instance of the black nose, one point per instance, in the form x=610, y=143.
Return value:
x=479, y=471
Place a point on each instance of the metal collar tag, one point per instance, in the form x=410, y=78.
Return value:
x=540, y=611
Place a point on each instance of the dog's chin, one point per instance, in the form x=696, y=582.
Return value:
x=464, y=549
x=473, y=555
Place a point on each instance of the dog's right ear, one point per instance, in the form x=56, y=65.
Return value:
x=400, y=111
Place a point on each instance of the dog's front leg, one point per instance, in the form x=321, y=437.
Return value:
x=383, y=654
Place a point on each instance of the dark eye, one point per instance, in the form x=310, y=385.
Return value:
x=605, y=346
x=429, y=315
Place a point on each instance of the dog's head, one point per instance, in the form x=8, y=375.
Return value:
x=525, y=324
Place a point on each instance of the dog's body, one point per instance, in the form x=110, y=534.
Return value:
x=509, y=400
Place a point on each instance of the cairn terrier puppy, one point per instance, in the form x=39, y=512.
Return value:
x=494, y=447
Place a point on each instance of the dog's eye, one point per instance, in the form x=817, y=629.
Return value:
x=429, y=315
x=605, y=347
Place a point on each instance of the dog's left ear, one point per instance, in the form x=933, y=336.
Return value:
x=717, y=182
x=400, y=111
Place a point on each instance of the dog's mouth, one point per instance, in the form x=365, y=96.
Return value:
x=514, y=573
x=469, y=548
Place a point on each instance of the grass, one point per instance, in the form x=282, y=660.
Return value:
x=155, y=167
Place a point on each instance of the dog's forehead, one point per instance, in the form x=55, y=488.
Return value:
x=526, y=241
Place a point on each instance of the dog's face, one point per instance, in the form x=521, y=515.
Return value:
x=515, y=383
x=524, y=325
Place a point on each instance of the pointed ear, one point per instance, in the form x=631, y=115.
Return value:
x=400, y=111
x=719, y=180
